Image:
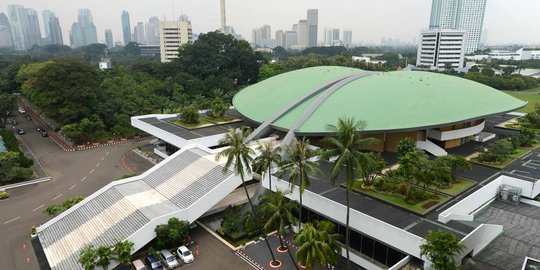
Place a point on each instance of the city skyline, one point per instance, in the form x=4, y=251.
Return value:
x=506, y=26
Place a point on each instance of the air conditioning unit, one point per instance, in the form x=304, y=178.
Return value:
x=509, y=194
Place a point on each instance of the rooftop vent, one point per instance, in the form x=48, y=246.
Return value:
x=509, y=194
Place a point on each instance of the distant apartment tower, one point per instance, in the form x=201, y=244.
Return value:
x=303, y=30
x=34, y=31
x=56, y=31
x=439, y=47
x=313, y=21
x=47, y=16
x=6, y=38
x=109, y=38
x=331, y=37
x=291, y=39
x=138, y=33
x=280, y=38
x=126, y=27
x=465, y=15
x=347, y=38
x=262, y=37
x=152, y=31
x=173, y=34
x=86, y=23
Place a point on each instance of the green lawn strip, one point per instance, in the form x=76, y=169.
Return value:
x=458, y=187
x=399, y=202
x=531, y=96
x=206, y=122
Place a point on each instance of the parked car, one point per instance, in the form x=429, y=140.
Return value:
x=185, y=254
x=42, y=132
x=13, y=122
x=28, y=117
x=138, y=265
x=168, y=259
x=21, y=110
x=153, y=263
x=20, y=131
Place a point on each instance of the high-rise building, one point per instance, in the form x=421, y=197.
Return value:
x=291, y=39
x=6, y=38
x=76, y=37
x=280, y=38
x=56, y=31
x=303, y=31
x=173, y=34
x=126, y=27
x=18, y=20
x=347, y=38
x=86, y=23
x=331, y=37
x=152, y=31
x=465, y=15
x=262, y=37
x=33, y=30
x=313, y=21
x=223, y=17
x=109, y=38
x=439, y=48
x=138, y=33
x=47, y=16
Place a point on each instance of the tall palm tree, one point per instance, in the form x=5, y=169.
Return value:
x=311, y=249
x=299, y=166
x=346, y=144
x=278, y=211
x=239, y=159
x=440, y=248
x=330, y=241
x=270, y=154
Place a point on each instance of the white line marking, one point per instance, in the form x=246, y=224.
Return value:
x=99, y=163
x=57, y=197
x=72, y=187
x=84, y=178
x=92, y=171
x=108, y=152
x=102, y=158
x=11, y=220
x=35, y=209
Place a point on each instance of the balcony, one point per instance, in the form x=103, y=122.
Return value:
x=456, y=133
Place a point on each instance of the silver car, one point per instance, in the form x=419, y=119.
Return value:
x=168, y=259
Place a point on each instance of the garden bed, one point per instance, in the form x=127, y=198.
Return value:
x=518, y=153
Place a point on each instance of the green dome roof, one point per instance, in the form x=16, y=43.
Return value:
x=386, y=101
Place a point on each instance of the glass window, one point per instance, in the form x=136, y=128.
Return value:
x=394, y=256
x=380, y=252
x=367, y=246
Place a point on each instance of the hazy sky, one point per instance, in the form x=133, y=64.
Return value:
x=514, y=21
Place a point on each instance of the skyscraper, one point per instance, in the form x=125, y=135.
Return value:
x=88, y=28
x=33, y=30
x=312, y=20
x=291, y=39
x=465, y=15
x=262, y=37
x=109, y=38
x=303, y=31
x=138, y=33
x=152, y=31
x=347, y=38
x=76, y=38
x=223, y=17
x=18, y=20
x=47, y=15
x=126, y=27
x=173, y=34
x=6, y=39
x=280, y=38
x=56, y=31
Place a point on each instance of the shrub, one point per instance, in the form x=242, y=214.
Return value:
x=217, y=109
x=53, y=209
x=429, y=204
x=33, y=230
x=497, y=151
x=171, y=234
x=4, y=195
x=189, y=115
x=415, y=196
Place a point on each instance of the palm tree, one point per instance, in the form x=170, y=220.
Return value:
x=312, y=250
x=330, y=241
x=88, y=257
x=269, y=155
x=239, y=159
x=440, y=248
x=347, y=145
x=122, y=251
x=279, y=212
x=105, y=255
x=299, y=166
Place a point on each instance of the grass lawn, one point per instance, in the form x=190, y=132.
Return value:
x=531, y=96
x=203, y=122
x=517, y=154
x=458, y=187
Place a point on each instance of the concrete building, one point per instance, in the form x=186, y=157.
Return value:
x=303, y=32
x=6, y=38
x=291, y=39
x=126, y=27
x=280, y=38
x=438, y=48
x=465, y=15
x=19, y=25
x=173, y=34
x=47, y=16
x=109, y=38
x=347, y=38
x=262, y=37
x=85, y=24
x=56, y=31
x=313, y=26
x=520, y=54
x=152, y=31
x=150, y=50
x=331, y=37
x=34, y=31
x=76, y=38
x=139, y=33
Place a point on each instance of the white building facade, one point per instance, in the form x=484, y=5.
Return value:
x=438, y=48
x=173, y=34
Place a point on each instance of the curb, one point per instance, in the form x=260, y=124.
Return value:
x=248, y=260
x=141, y=154
x=107, y=144
x=26, y=183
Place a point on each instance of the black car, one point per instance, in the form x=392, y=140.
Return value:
x=153, y=263
x=42, y=132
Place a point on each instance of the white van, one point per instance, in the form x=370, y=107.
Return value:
x=138, y=265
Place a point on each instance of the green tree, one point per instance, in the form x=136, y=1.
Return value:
x=457, y=164
x=318, y=245
x=269, y=155
x=189, y=115
x=279, y=215
x=239, y=160
x=372, y=170
x=347, y=145
x=170, y=234
x=330, y=240
x=486, y=71
x=88, y=257
x=299, y=166
x=122, y=251
x=440, y=248
x=217, y=109
x=405, y=146
x=104, y=256
x=7, y=104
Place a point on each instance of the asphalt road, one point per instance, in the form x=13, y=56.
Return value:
x=73, y=173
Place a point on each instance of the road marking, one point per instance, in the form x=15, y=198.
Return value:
x=108, y=152
x=84, y=178
x=92, y=171
x=72, y=187
x=35, y=209
x=99, y=163
x=11, y=220
x=57, y=197
x=102, y=158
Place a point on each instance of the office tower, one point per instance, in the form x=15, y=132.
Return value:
x=223, y=17
x=47, y=16
x=327, y=36
x=335, y=35
x=109, y=38
x=76, y=38
x=87, y=27
x=262, y=37
x=138, y=33
x=18, y=20
x=312, y=20
x=126, y=27
x=441, y=47
x=6, y=38
x=56, y=31
x=280, y=38
x=34, y=31
x=152, y=31
x=291, y=39
x=173, y=34
x=465, y=15
x=347, y=38
x=303, y=33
